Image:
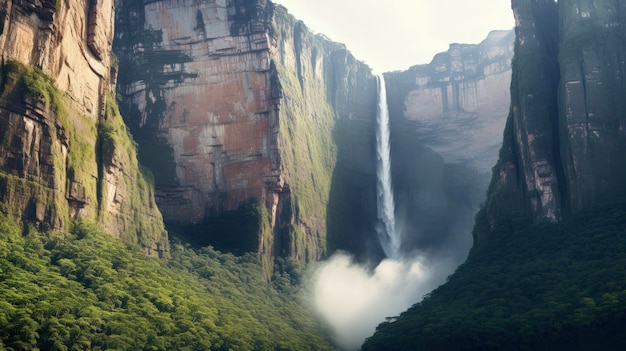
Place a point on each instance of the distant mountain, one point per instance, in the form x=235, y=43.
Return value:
x=458, y=103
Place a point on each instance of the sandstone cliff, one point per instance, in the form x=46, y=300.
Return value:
x=564, y=141
x=234, y=104
x=65, y=152
x=259, y=132
x=457, y=104
x=195, y=81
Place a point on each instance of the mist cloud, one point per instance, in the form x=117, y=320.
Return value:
x=354, y=300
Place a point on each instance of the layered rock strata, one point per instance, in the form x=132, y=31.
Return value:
x=458, y=103
x=233, y=104
x=56, y=75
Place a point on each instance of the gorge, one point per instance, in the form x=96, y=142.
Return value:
x=275, y=156
x=553, y=219
x=173, y=172
x=237, y=127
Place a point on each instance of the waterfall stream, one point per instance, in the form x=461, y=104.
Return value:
x=386, y=228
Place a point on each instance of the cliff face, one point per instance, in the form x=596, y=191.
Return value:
x=233, y=104
x=64, y=152
x=457, y=104
x=260, y=134
x=327, y=110
x=564, y=141
x=196, y=86
x=592, y=104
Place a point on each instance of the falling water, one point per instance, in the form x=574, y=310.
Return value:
x=386, y=228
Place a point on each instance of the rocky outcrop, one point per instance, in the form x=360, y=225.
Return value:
x=459, y=102
x=233, y=104
x=56, y=75
x=564, y=141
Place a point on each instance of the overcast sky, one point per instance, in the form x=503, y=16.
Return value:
x=396, y=34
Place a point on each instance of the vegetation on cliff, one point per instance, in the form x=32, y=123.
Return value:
x=138, y=219
x=306, y=119
x=85, y=290
x=68, y=165
x=33, y=177
x=549, y=286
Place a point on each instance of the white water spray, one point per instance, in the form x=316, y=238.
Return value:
x=386, y=228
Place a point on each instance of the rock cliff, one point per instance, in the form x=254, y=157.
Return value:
x=592, y=101
x=234, y=104
x=564, y=141
x=327, y=120
x=260, y=133
x=457, y=104
x=65, y=152
x=195, y=80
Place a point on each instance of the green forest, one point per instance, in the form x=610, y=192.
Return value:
x=547, y=286
x=85, y=290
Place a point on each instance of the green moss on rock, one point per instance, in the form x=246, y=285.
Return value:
x=135, y=216
x=307, y=120
x=56, y=162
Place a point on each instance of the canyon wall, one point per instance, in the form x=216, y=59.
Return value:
x=65, y=151
x=234, y=105
x=458, y=103
x=457, y=106
x=327, y=121
x=592, y=101
x=195, y=81
x=564, y=140
x=258, y=133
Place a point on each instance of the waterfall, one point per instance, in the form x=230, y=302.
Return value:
x=386, y=228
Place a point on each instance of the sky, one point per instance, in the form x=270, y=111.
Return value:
x=397, y=34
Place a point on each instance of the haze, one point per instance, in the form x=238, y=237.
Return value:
x=396, y=34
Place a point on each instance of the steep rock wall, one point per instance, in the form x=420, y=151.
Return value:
x=526, y=178
x=328, y=107
x=592, y=100
x=456, y=106
x=195, y=80
x=234, y=104
x=55, y=77
x=564, y=141
x=458, y=103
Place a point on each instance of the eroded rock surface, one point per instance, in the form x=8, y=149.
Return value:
x=459, y=102
x=233, y=104
x=57, y=73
